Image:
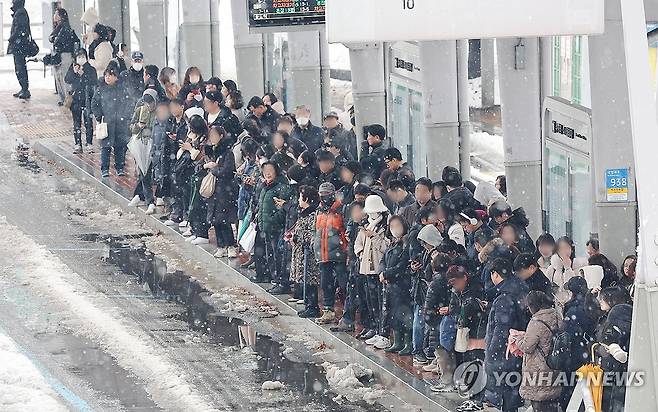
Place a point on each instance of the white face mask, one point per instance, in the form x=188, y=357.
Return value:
x=138, y=66
x=198, y=97
x=303, y=121
x=373, y=216
x=81, y=60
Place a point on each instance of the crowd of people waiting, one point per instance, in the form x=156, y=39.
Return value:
x=443, y=271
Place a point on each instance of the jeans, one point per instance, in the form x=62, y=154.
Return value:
x=119, y=157
x=330, y=273
x=80, y=115
x=144, y=189
x=418, y=329
x=20, y=67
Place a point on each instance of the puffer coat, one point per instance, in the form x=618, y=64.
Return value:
x=536, y=345
x=329, y=241
x=111, y=104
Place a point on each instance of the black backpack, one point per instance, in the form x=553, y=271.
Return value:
x=559, y=356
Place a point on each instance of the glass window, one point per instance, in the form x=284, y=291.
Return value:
x=557, y=192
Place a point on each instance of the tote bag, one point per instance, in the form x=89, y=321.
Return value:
x=207, y=188
x=101, y=130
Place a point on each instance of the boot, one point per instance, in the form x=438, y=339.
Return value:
x=297, y=293
x=408, y=344
x=398, y=344
x=24, y=94
x=311, y=309
x=328, y=316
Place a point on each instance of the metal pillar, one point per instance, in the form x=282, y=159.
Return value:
x=214, y=37
x=75, y=10
x=368, y=85
x=438, y=60
x=519, y=76
x=464, y=112
x=611, y=131
x=643, y=354
x=248, y=53
x=488, y=62
x=153, y=31
x=195, y=40
x=116, y=14
x=307, y=85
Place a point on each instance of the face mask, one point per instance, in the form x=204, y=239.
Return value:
x=138, y=66
x=396, y=232
x=194, y=79
x=303, y=121
x=328, y=199
x=373, y=216
x=81, y=60
x=198, y=97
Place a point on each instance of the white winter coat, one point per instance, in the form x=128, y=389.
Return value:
x=102, y=57
x=560, y=275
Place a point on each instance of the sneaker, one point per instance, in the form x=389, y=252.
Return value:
x=292, y=300
x=105, y=173
x=432, y=367
x=470, y=406
x=368, y=334
x=442, y=388
x=233, y=252
x=299, y=301
x=279, y=290
x=89, y=148
x=183, y=223
x=170, y=223
x=221, y=253
x=328, y=316
x=135, y=201
x=420, y=359
x=18, y=93
x=374, y=340
x=342, y=327
x=383, y=343
x=24, y=95
x=121, y=172
x=199, y=241
x=308, y=313
x=159, y=202
x=77, y=150
x=151, y=209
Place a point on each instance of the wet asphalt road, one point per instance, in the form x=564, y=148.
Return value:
x=59, y=213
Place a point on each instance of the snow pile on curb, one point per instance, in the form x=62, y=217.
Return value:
x=166, y=383
x=22, y=387
x=272, y=385
x=347, y=383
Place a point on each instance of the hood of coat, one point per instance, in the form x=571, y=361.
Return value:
x=519, y=218
x=549, y=316
x=17, y=4
x=431, y=235
x=90, y=17
x=486, y=194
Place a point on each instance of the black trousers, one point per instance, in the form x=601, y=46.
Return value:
x=224, y=234
x=20, y=67
x=80, y=116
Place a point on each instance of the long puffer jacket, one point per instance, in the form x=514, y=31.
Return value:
x=536, y=345
x=270, y=218
x=370, y=249
x=330, y=242
x=110, y=103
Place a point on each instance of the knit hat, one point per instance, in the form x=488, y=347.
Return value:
x=137, y=55
x=374, y=204
x=326, y=188
x=431, y=235
x=152, y=93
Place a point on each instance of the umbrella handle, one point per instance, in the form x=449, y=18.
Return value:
x=594, y=345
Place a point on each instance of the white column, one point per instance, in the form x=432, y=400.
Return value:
x=325, y=72
x=644, y=129
x=521, y=115
x=195, y=37
x=611, y=148
x=249, y=60
x=464, y=110
x=305, y=84
x=116, y=14
x=368, y=85
x=438, y=62
x=214, y=37
x=152, y=31
x=75, y=10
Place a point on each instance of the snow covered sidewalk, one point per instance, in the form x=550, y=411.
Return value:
x=22, y=386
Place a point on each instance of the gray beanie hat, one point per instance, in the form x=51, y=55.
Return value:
x=326, y=188
x=431, y=235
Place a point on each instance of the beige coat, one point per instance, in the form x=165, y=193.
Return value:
x=560, y=275
x=370, y=250
x=102, y=57
x=536, y=344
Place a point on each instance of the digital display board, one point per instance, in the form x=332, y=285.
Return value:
x=278, y=13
